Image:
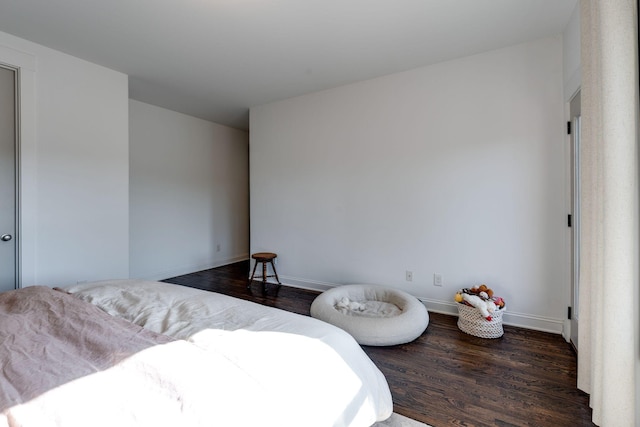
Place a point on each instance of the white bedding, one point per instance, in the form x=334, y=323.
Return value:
x=283, y=368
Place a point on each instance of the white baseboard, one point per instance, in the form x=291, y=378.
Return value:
x=528, y=321
x=179, y=271
x=311, y=285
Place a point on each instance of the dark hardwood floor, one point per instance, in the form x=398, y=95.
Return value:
x=446, y=377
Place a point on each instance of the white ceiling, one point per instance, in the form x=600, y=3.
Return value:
x=215, y=59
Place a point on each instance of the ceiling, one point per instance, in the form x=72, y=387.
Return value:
x=214, y=59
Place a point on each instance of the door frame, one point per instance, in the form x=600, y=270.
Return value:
x=574, y=150
x=26, y=162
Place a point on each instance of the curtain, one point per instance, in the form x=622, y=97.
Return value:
x=608, y=341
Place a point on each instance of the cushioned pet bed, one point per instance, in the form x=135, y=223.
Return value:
x=373, y=315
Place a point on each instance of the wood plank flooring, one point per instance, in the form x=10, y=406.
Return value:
x=446, y=377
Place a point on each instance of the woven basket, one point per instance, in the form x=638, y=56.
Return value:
x=470, y=321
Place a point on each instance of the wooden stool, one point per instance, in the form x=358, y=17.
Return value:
x=264, y=258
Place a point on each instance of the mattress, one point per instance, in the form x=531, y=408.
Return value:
x=301, y=371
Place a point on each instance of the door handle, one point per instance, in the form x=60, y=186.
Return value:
x=6, y=237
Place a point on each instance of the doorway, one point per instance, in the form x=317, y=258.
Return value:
x=575, y=113
x=8, y=180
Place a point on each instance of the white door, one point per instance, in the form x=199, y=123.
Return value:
x=8, y=258
x=575, y=215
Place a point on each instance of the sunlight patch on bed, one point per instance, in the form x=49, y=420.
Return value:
x=263, y=354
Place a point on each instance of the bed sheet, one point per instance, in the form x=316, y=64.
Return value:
x=66, y=363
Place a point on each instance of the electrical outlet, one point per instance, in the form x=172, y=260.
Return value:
x=408, y=275
x=437, y=279
x=218, y=247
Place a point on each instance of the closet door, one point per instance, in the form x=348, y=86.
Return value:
x=8, y=137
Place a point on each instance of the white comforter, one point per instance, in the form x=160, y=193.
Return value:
x=261, y=366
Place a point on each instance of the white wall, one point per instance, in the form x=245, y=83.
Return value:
x=457, y=169
x=74, y=215
x=189, y=193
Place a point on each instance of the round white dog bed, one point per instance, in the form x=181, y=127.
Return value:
x=373, y=315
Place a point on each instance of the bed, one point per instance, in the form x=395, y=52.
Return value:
x=137, y=353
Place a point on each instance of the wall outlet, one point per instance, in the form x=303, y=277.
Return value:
x=218, y=247
x=408, y=275
x=437, y=279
